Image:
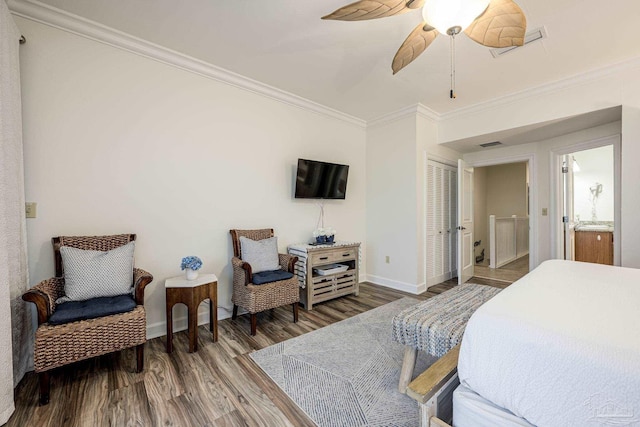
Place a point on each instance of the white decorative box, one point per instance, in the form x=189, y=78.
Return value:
x=330, y=269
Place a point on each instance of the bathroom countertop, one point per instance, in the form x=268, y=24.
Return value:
x=595, y=226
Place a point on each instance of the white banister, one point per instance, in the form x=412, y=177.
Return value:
x=508, y=239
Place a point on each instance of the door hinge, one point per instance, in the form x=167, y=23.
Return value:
x=565, y=169
x=565, y=219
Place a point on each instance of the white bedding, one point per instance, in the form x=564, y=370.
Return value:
x=560, y=347
x=471, y=410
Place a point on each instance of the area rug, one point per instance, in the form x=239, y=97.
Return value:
x=346, y=374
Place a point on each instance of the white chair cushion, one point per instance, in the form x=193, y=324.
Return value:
x=92, y=274
x=262, y=255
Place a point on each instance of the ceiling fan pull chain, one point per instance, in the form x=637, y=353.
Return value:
x=452, y=92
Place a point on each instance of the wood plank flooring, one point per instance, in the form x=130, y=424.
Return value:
x=507, y=273
x=217, y=386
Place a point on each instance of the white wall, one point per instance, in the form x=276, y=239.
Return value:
x=480, y=219
x=619, y=85
x=119, y=143
x=540, y=189
x=506, y=190
x=392, y=220
x=596, y=166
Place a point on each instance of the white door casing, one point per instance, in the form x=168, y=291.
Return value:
x=569, y=224
x=466, y=259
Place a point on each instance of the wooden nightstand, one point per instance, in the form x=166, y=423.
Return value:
x=191, y=293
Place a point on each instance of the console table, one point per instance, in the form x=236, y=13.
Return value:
x=316, y=288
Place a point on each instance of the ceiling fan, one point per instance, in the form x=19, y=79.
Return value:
x=492, y=23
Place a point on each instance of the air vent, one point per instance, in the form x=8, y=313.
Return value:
x=530, y=37
x=490, y=144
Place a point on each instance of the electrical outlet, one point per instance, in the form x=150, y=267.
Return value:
x=544, y=212
x=386, y=259
x=30, y=209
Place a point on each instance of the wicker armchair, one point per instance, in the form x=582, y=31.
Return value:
x=60, y=345
x=257, y=298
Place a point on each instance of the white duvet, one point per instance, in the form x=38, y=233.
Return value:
x=560, y=347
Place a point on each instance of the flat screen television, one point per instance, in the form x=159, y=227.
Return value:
x=321, y=180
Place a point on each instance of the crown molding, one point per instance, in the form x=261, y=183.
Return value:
x=546, y=88
x=412, y=110
x=60, y=19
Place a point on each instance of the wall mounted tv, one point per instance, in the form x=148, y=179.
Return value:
x=321, y=180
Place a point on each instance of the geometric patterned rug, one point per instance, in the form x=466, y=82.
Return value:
x=346, y=374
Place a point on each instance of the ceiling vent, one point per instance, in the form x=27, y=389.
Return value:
x=530, y=37
x=490, y=144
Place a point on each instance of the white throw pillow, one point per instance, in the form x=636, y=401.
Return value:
x=92, y=274
x=262, y=255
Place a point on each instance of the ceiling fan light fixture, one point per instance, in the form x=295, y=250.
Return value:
x=445, y=15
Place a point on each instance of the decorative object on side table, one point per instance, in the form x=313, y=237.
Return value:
x=324, y=235
x=191, y=265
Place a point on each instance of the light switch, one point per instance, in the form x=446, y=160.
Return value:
x=30, y=209
x=544, y=212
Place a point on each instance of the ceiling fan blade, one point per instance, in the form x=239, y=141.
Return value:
x=372, y=9
x=503, y=24
x=419, y=39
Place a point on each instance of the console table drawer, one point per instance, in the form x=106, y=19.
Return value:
x=321, y=281
x=334, y=256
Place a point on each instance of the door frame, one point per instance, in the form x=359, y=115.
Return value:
x=557, y=193
x=530, y=158
x=425, y=193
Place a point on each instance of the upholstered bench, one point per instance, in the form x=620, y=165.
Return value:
x=437, y=324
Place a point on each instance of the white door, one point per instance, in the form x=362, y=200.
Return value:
x=440, y=219
x=465, y=222
x=567, y=216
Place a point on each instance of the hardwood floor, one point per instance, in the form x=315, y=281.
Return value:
x=217, y=386
x=507, y=273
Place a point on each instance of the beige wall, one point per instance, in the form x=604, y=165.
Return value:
x=115, y=142
x=506, y=190
x=480, y=220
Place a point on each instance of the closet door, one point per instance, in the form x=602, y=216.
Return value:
x=432, y=246
x=440, y=222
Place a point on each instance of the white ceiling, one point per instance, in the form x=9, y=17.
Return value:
x=539, y=131
x=347, y=65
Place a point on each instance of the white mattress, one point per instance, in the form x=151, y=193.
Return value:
x=560, y=347
x=471, y=410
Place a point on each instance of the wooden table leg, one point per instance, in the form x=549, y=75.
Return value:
x=213, y=310
x=169, y=327
x=193, y=323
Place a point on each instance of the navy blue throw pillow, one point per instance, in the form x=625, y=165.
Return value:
x=270, y=276
x=73, y=311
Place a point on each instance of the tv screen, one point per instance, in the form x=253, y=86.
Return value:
x=321, y=180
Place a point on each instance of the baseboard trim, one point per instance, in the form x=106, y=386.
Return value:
x=397, y=285
x=159, y=329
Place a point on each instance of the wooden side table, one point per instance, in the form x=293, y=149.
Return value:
x=191, y=293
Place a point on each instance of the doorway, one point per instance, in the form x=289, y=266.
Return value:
x=588, y=216
x=501, y=221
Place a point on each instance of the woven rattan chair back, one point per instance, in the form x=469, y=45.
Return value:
x=93, y=243
x=261, y=234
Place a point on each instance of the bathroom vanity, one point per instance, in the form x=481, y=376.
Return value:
x=594, y=243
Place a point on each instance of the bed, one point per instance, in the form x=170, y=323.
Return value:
x=559, y=347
